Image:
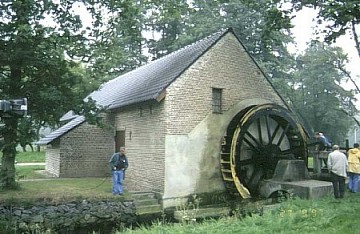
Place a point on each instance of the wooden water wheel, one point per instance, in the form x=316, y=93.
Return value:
x=255, y=141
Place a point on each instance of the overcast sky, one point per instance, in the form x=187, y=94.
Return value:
x=304, y=27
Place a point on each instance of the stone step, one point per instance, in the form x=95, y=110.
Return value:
x=142, y=195
x=149, y=209
x=146, y=202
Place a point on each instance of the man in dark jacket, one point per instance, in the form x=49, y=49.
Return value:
x=118, y=164
x=322, y=142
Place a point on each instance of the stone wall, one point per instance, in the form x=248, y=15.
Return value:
x=73, y=217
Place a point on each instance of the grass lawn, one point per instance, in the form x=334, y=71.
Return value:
x=59, y=190
x=29, y=172
x=326, y=215
x=30, y=156
x=36, y=186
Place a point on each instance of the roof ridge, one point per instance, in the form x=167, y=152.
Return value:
x=220, y=32
x=147, y=81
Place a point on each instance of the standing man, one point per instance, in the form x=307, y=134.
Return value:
x=337, y=165
x=354, y=168
x=118, y=164
x=323, y=142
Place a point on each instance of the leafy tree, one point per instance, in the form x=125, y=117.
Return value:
x=32, y=65
x=318, y=93
x=27, y=134
x=39, y=44
x=167, y=19
x=118, y=47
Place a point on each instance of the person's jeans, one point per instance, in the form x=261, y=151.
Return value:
x=338, y=185
x=353, y=182
x=117, y=179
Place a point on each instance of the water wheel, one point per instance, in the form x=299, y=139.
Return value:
x=255, y=141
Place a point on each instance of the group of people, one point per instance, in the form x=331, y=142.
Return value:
x=341, y=166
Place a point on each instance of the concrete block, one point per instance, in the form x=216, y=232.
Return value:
x=290, y=170
x=305, y=189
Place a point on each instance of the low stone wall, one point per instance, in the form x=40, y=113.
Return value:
x=72, y=217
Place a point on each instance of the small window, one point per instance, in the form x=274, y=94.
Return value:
x=216, y=100
x=141, y=111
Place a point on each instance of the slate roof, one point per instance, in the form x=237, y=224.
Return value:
x=61, y=131
x=142, y=84
x=147, y=82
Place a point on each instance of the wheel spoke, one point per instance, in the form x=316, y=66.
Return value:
x=283, y=134
x=249, y=143
x=274, y=133
x=259, y=130
x=246, y=162
x=268, y=128
x=258, y=144
x=255, y=177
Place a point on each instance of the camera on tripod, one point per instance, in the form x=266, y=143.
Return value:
x=14, y=108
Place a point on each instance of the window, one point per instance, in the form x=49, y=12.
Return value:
x=216, y=100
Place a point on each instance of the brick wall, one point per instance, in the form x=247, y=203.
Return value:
x=144, y=141
x=85, y=151
x=52, y=158
x=226, y=66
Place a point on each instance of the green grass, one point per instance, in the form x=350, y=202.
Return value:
x=52, y=189
x=30, y=156
x=59, y=190
x=325, y=215
x=29, y=172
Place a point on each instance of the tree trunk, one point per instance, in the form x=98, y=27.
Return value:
x=7, y=171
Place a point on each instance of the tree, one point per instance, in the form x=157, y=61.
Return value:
x=26, y=133
x=41, y=46
x=118, y=47
x=318, y=93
